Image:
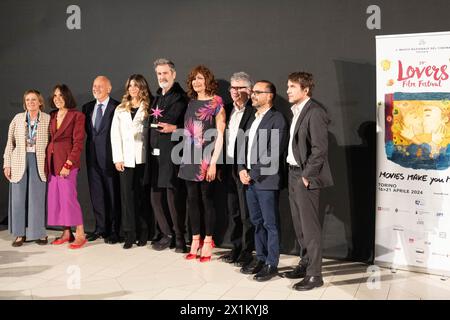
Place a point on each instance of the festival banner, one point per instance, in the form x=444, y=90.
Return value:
x=413, y=152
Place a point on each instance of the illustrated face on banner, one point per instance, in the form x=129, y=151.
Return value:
x=420, y=131
x=434, y=120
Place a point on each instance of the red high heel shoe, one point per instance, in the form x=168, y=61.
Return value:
x=61, y=240
x=78, y=246
x=208, y=258
x=191, y=256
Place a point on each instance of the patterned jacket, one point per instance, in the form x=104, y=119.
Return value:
x=15, y=151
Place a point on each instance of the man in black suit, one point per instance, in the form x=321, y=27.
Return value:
x=242, y=232
x=167, y=196
x=309, y=171
x=102, y=176
x=259, y=172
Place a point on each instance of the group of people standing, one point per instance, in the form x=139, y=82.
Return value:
x=133, y=144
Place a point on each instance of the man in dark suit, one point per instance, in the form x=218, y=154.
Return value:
x=309, y=171
x=267, y=137
x=102, y=176
x=242, y=232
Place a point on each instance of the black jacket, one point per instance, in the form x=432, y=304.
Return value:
x=173, y=104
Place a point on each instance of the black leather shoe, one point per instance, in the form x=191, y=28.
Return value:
x=142, y=243
x=180, y=245
x=298, y=272
x=112, y=239
x=128, y=244
x=230, y=257
x=266, y=273
x=244, y=259
x=129, y=241
x=252, y=268
x=173, y=243
x=93, y=236
x=162, y=244
x=42, y=242
x=143, y=238
x=156, y=238
x=310, y=282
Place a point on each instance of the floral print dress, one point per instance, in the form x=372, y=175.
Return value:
x=200, y=133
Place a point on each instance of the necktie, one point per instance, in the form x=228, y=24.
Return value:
x=98, y=117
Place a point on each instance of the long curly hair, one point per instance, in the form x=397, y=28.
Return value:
x=210, y=83
x=145, y=95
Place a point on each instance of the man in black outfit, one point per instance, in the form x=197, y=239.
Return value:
x=167, y=196
x=102, y=176
x=242, y=232
x=309, y=171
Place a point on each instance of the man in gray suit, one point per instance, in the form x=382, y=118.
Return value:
x=309, y=171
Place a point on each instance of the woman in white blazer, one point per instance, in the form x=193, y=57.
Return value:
x=129, y=145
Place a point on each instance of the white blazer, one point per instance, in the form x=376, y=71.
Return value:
x=129, y=137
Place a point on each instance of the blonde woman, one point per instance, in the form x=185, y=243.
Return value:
x=24, y=167
x=129, y=131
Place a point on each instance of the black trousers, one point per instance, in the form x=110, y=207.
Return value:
x=242, y=231
x=201, y=194
x=105, y=200
x=168, y=210
x=134, y=217
x=305, y=217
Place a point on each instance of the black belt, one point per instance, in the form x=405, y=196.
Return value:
x=291, y=167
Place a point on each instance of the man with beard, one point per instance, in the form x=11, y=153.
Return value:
x=167, y=114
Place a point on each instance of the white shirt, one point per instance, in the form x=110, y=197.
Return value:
x=104, y=105
x=296, y=110
x=233, y=128
x=252, y=134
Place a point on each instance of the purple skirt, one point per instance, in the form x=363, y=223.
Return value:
x=63, y=206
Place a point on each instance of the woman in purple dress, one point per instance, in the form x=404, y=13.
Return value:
x=204, y=126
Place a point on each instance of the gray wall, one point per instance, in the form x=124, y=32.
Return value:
x=268, y=39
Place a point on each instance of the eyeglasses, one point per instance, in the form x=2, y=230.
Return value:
x=237, y=88
x=256, y=92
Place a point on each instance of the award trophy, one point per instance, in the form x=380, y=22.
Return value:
x=155, y=113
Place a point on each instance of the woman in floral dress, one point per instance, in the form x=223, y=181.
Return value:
x=204, y=126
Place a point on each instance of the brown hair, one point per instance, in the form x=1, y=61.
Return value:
x=210, y=83
x=40, y=98
x=67, y=95
x=145, y=96
x=305, y=80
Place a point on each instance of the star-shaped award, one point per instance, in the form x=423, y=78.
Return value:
x=157, y=112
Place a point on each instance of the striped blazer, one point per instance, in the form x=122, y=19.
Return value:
x=15, y=151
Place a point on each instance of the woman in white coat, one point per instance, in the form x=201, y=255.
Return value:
x=129, y=145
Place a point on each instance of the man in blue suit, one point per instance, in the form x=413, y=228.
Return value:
x=102, y=176
x=259, y=172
